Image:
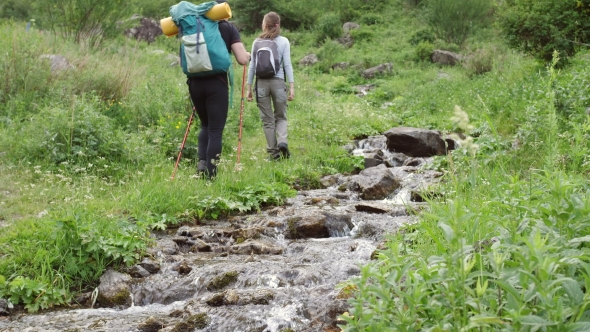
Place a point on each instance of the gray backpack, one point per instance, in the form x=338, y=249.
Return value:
x=266, y=58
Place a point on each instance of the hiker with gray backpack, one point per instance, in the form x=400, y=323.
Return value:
x=271, y=64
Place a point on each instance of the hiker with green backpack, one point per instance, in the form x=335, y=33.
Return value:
x=271, y=64
x=205, y=50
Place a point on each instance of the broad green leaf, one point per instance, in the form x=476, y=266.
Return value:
x=535, y=321
x=573, y=291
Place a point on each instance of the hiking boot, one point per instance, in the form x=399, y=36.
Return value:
x=274, y=157
x=284, y=151
x=201, y=167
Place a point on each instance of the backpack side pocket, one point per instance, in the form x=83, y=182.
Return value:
x=196, y=53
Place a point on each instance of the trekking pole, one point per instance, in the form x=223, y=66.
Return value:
x=241, y=116
x=188, y=127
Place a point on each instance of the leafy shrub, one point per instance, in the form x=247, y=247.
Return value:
x=423, y=35
x=328, y=26
x=538, y=27
x=248, y=14
x=363, y=34
x=248, y=199
x=72, y=253
x=57, y=134
x=328, y=54
x=480, y=62
x=83, y=21
x=15, y=9
x=424, y=51
x=443, y=45
x=453, y=20
x=370, y=19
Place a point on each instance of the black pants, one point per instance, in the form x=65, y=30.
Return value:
x=211, y=98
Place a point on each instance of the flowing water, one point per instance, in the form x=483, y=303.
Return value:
x=275, y=282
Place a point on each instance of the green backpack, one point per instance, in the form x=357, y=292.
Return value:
x=202, y=50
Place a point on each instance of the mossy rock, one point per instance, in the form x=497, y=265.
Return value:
x=221, y=281
x=199, y=321
x=151, y=325
x=120, y=298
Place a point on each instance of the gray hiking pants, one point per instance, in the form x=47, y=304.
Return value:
x=274, y=123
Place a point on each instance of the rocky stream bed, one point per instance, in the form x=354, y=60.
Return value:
x=276, y=270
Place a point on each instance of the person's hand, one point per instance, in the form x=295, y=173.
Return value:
x=291, y=94
x=249, y=95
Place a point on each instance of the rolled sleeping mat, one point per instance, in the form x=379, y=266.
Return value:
x=220, y=11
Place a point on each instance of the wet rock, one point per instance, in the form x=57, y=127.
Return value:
x=258, y=247
x=150, y=265
x=374, y=183
x=221, y=281
x=137, y=271
x=200, y=246
x=246, y=233
x=216, y=300
x=228, y=297
x=414, y=162
x=317, y=225
x=114, y=289
x=199, y=321
x=372, y=207
x=311, y=226
x=415, y=142
x=375, y=255
x=180, y=240
x=166, y=247
x=83, y=298
x=151, y=325
x=4, y=308
x=260, y=297
x=184, y=268
x=328, y=181
x=395, y=159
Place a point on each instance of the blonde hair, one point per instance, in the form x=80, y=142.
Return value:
x=270, y=26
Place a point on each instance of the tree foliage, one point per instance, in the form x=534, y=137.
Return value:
x=538, y=27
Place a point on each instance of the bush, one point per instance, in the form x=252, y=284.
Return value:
x=453, y=21
x=424, y=35
x=81, y=20
x=328, y=26
x=538, y=27
x=362, y=34
x=328, y=54
x=14, y=9
x=424, y=51
x=480, y=62
x=249, y=13
x=77, y=134
x=370, y=19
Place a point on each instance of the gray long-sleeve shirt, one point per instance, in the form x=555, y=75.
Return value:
x=285, y=60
